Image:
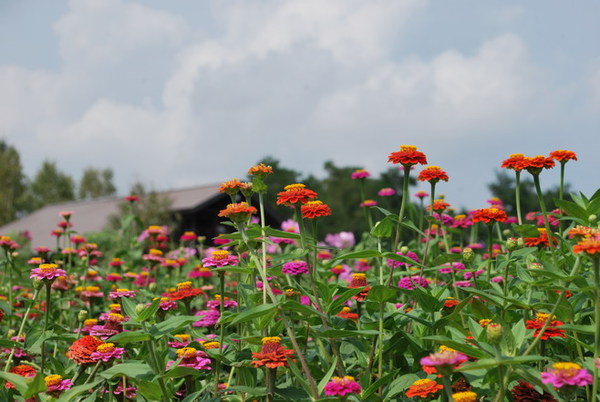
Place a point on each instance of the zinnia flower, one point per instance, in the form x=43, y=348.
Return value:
x=55, y=385
x=347, y=314
x=294, y=194
x=116, y=293
x=339, y=386
x=185, y=290
x=238, y=212
x=386, y=192
x=231, y=187
x=563, y=156
x=220, y=258
x=208, y=318
x=542, y=240
x=296, y=267
x=47, y=272
x=566, y=373
x=192, y=358
x=489, y=215
x=368, y=203
x=514, y=162
x=359, y=280
x=423, y=388
x=411, y=282
x=467, y=396
x=313, y=209
x=272, y=354
x=23, y=370
x=524, y=392
x=432, y=174
x=550, y=332
x=360, y=174
x=535, y=164
x=260, y=170
x=106, y=352
x=590, y=246
x=444, y=361
x=408, y=156
x=81, y=350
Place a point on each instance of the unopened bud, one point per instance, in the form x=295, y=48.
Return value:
x=404, y=250
x=37, y=283
x=593, y=218
x=139, y=308
x=512, y=243
x=152, y=287
x=10, y=333
x=520, y=242
x=467, y=254
x=494, y=333
x=82, y=314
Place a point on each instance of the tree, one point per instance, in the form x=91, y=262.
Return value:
x=51, y=186
x=12, y=183
x=96, y=183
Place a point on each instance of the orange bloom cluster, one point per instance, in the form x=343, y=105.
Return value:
x=359, y=280
x=272, y=354
x=408, y=156
x=232, y=187
x=432, y=174
x=185, y=290
x=542, y=240
x=550, y=332
x=313, y=209
x=294, y=194
x=81, y=350
x=347, y=314
x=589, y=246
x=535, y=164
x=260, y=170
x=23, y=370
x=439, y=206
x=489, y=215
x=563, y=156
x=582, y=232
x=514, y=162
x=238, y=212
x=423, y=388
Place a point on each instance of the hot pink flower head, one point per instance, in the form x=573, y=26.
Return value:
x=421, y=194
x=368, y=203
x=106, y=352
x=567, y=373
x=55, y=384
x=342, y=386
x=411, y=282
x=220, y=258
x=291, y=226
x=340, y=240
x=295, y=268
x=207, y=318
x=386, y=192
x=360, y=174
x=444, y=361
x=115, y=294
x=395, y=264
x=192, y=358
x=47, y=271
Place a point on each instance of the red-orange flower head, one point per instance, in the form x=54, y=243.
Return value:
x=438, y=205
x=232, y=187
x=423, y=388
x=272, y=354
x=23, y=370
x=261, y=170
x=81, y=350
x=535, y=164
x=563, y=156
x=408, y=156
x=313, y=209
x=432, y=174
x=238, y=212
x=294, y=194
x=514, y=162
x=590, y=246
x=489, y=215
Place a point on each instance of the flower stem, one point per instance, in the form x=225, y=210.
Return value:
x=402, y=207
x=596, y=261
x=221, y=329
x=447, y=395
x=538, y=190
x=518, y=196
x=490, y=252
x=20, y=332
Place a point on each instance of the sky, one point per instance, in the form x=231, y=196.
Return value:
x=183, y=93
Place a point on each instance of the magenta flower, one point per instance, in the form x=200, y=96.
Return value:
x=368, y=203
x=360, y=174
x=411, y=282
x=463, y=284
x=340, y=240
x=396, y=264
x=295, y=268
x=386, y=192
x=421, y=194
x=208, y=318
x=566, y=373
x=55, y=385
x=106, y=352
x=220, y=258
x=444, y=361
x=449, y=267
x=191, y=358
x=115, y=294
x=342, y=386
x=47, y=272
x=215, y=304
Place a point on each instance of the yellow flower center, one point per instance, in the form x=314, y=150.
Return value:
x=516, y=156
x=567, y=369
x=186, y=352
x=115, y=317
x=484, y=323
x=184, y=285
x=349, y=378
x=408, y=148
x=211, y=345
x=89, y=322
x=359, y=276
x=295, y=186
x=53, y=379
x=345, y=310
x=220, y=254
x=467, y=396
x=114, y=306
x=48, y=267
x=183, y=337
x=156, y=252
x=314, y=203
x=271, y=339
x=92, y=288
x=105, y=347
x=542, y=317
x=423, y=381
x=444, y=348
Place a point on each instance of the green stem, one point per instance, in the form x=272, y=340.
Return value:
x=538, y=190
x=222, y=329
x=596, y=261
x=402, y=207
x=518, y=196
x=490, y=252
x=447, y=395
x=156, y=363
x=380, y=345
x=20, y=332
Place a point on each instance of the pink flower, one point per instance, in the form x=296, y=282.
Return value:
x=566, y=373
x=115, y=294
x=463, y=284
x=191, y=358
x=106, y=352
x=215, y=304
x=55, y=384
x=444, y=361
x=449, y=267
x=342, y=386
x=295, y=268
x=421, y=194
x=368, y=203
x=386, y=192
x=360, y=174
x=340, y=240
x=220, y=258
x=208, y=318
x=395, y=264
x=47, y=271
x=411, y=282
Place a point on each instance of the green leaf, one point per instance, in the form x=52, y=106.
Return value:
x=36, y=386
x=180, y=371
x=21, y=384
x=134, y=370
x=129, y=308
x=327, y=376
x=381, y=294
x=383, y=228
x=253, y=313
x=280, y=233
x=174, y=323
x=130, y=336
x=461, y=346
x=582, y=329
x=505, y=361
x=149, y=311
x=366, y=394
x=357, y=254
x=336, y=305
x=526, y=230
x=239, y=270
x=293, y=305
x=71, y=394
x=149, y=390
x=399, y=385
x=343, y=333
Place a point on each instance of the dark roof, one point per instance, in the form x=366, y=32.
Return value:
x=93, y=215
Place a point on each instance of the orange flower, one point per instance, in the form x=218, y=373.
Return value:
x=238, y=212
x=295, y=193
x=81, y=350
x=514, y=162
x=589, y=246
x=345, y=313
x=542, y=240
x=313, y=209
x=438, y=206
x=535, y=164
x=359, y=280
x=260, y=170
x=185, y=291
x=423, y=388
x=550, y=332
x=489, y=215
x=407, y=156
x=232, y=187
x=432, y=174
x=450, y=302
x=563, y=156
x=23, y=370
x=580, y=231
x=272, y=354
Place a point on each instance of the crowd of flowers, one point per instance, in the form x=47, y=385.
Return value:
x=430, y=304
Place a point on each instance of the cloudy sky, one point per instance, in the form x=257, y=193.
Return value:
x=187, y=92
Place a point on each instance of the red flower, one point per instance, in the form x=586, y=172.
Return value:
x=550, y=332
x=408, y=156
x=589, y=246
x=81, y=350
x=238, y=212
x=438, y=206
x=346, y=314
x=260, y=170
x=272, y=354
x=432, y=174
x=514, y=162
x=541, y=241
x=524, y=392
x=489, y=215
x=449, y=303
x=563, y=156
x=423, y=388
x=359, y=280
x=185, y=291
x=232, y=187
x=23, y=370
x=313, y=209
x=535, y=164
x=295, y=193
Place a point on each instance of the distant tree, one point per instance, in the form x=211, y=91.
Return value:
x=50, y=185
x=12, y=182
x=96, y=183
x=504, y=188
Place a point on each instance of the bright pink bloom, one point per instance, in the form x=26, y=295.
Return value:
x=191, y=358
x=47, y=271
x=220, y=258
x=386, y=192
x=342, y=386
x=360, y=174
x=295, y=268
x=411, y=282
x=106, y=352
x=566, y=373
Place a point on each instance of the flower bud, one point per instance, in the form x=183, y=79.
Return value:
x=152, y=287
x=520, y=242
x=511, y=243
x=506, y=232
x=37, y=283
x=139, y=308
x=82, y=315
x=10, y=333
x=592, y=219
x=404, y=250
x=494, y=333
x=467, y=254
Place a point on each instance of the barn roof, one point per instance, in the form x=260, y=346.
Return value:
x=93, y=215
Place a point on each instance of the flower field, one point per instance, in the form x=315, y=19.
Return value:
x=429, y=305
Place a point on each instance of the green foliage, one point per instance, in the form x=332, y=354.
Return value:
x=51, y=185
x=13, y=197
x=96, y=183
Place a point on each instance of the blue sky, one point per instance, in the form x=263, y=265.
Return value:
x=185, y=93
